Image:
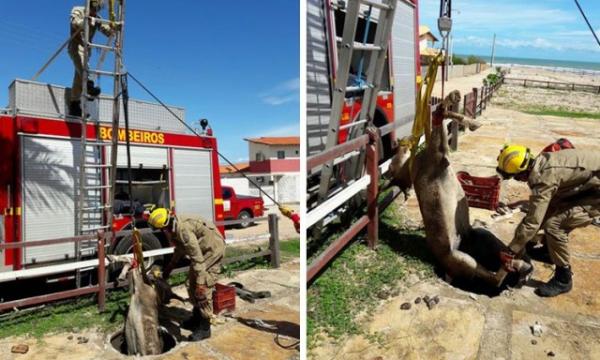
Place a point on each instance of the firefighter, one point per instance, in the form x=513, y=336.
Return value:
x=77, y=50
x=565, y=194
x=200, y=240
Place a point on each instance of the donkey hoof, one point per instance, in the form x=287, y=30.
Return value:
x=474, y=126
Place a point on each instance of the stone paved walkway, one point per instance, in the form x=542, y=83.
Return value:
x=236, y=339
x=481, y=327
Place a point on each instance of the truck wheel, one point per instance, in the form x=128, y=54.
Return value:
x=125, y=246
x=245, y=214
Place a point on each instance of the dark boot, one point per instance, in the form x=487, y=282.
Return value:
x=192, y=322
x=202, y=331
x=92, y=90
x=560, y=283
x=538, y=253
x=75, y=108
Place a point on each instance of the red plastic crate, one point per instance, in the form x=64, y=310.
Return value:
x=223, y=298
x=481, y=192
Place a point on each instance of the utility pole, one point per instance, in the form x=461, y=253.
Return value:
x=493, y=48
x=451, y=51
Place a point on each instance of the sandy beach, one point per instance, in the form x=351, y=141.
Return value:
x=564, y=75
x=521, y=98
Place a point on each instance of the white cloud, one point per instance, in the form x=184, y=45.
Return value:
x=518, y=24
x=282, y=130
x=537, y=43
x=499, y=15
x=282, y=93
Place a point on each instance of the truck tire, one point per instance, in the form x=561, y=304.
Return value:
x=245, y=214
x=125, y=246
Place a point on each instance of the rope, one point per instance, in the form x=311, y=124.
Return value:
x=587, y=22
x=60, y=49
x=285, y=211
x=135, y=236
x=360, y=81
x=111, y=13
x=198, y=135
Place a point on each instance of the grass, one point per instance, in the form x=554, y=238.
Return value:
x=73, y=315
x=502, y=99
x=68, y=316
x=344, y=295
x=561, y=113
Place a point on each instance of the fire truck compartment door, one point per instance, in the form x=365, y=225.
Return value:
x=193, y=178
x=150, y=157
x=403, y=59
x=49, y=181
x=318, y=100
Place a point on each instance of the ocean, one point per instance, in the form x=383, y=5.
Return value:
x=564, y=65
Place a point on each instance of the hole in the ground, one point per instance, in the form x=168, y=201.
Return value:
x=119, y=342
x=481, y=287
x=485, y=248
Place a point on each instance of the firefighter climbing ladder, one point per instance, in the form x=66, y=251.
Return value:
x=376, y=55
x=95, y=197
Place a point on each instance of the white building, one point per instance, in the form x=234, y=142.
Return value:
x=274, y=165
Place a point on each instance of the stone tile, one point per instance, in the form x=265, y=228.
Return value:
x=451, y=330
x=584, y=298
x=245, y=341
x=565, y=339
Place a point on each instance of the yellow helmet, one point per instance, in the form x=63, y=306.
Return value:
x=159, y=218
x=513, y=159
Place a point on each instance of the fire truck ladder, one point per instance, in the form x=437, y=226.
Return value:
x=375, y=54
x=95, y=196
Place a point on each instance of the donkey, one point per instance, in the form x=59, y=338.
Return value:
x=463, y=251
x=141, y=324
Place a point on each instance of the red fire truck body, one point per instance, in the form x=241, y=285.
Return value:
x=39, y=161
x=397, y=96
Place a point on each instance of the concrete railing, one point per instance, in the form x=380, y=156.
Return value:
x=457, y=71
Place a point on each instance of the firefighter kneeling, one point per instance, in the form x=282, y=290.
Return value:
x=200, y=240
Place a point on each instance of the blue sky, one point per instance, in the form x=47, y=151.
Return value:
x=544, y=29
x=235, y=63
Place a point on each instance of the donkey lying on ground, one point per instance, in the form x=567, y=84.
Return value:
x=463, y=251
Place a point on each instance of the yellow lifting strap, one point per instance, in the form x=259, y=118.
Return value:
x=137, y=249
x=422, y=122
x=111, y=13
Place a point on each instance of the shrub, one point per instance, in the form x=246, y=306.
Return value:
x=472, y=59
x=457, y=60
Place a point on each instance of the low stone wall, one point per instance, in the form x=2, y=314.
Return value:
x=455, y=71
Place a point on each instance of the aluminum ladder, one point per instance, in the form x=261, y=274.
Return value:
x=375, y=54
x=96, y=194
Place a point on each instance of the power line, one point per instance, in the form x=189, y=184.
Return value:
x=587, y=22
x=195, y=133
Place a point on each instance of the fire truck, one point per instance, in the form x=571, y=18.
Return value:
x=397, y=95
x=40, y=153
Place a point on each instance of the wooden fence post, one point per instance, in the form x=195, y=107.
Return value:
x=483, y=98
x=274, y=240
x=373, y=187
x=101, y=273
x=474, y=103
